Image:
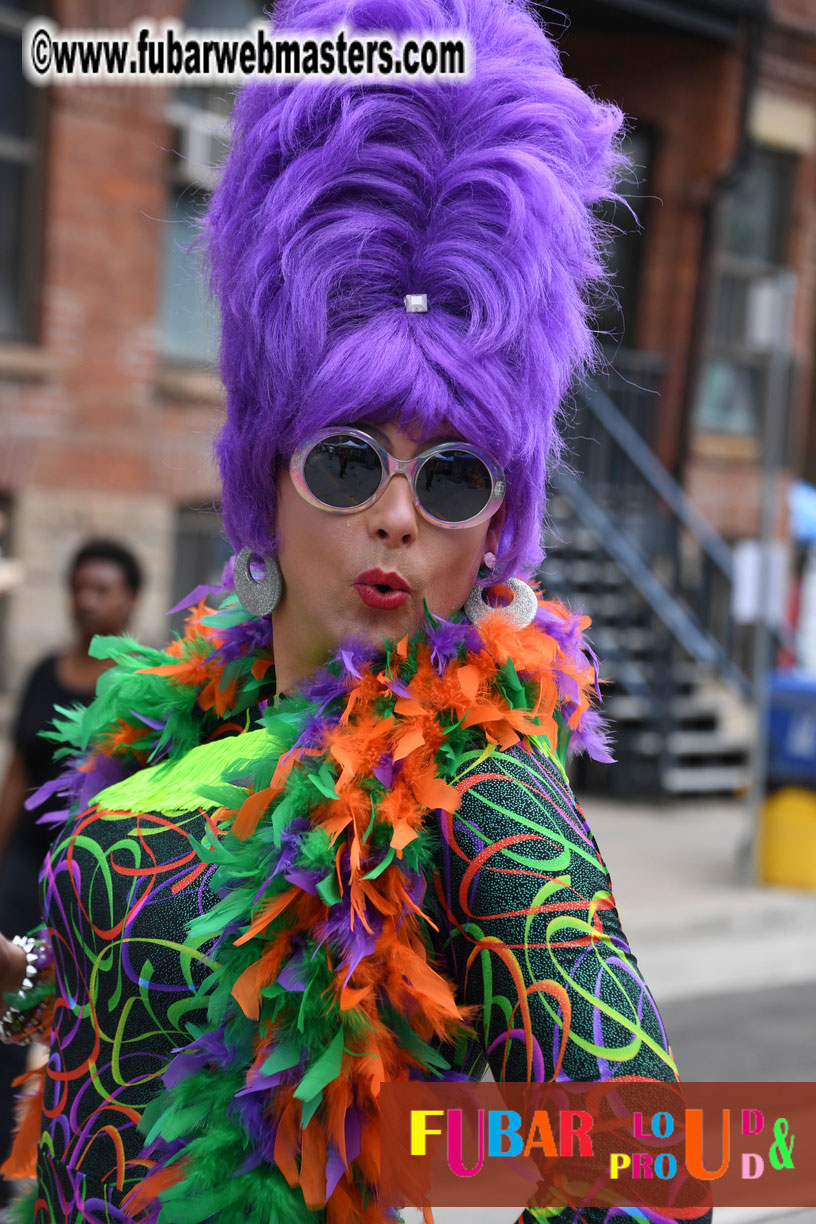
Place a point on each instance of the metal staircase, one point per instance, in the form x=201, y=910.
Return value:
x=627, y=545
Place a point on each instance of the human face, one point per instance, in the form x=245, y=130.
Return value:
x=101, y=600
x=324, y=558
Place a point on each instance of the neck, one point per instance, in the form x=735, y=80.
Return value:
x=296, y=656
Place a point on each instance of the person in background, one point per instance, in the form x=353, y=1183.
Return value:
x=104, y=580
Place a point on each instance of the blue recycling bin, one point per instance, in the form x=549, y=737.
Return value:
x=792, y=729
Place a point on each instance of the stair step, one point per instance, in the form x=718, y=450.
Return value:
x=680, y=727
x=704, y=743
x=694, y=779
x=682, y=744
x=629, y=707
x=580, y=571
x=625, y=640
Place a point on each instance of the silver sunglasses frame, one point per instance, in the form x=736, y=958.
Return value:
x=391, y=467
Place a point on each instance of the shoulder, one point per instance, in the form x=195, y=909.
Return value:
x=518, y=803
x=37, y=694
x=41, y=674
x=529, y=777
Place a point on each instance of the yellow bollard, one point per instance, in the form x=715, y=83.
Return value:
x=788, y=838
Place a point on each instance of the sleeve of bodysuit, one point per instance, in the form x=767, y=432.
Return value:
x=530, y=933
x=535, y=938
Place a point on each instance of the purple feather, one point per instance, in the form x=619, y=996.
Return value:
x=208, y=1048
x=399, y=689
x=347, y=657
x=353, y=1130
x=251, y=637
x=592, y=736
x=386, y=770
x=307, y=880
x=104, y=772
x=334, y=1169
x=592, y=733
x=55, y=819
x=293, y=975
x=155, y=724
x=353, y=945
x=54, y=787
x=260, y=1082
x=446, y=639
x=195, y=597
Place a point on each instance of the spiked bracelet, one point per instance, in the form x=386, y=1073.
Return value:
x=22, y=1020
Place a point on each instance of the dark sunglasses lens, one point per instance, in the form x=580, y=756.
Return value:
x=342, y=471
x=454, y=486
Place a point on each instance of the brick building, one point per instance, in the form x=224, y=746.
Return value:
x=108, y=396
x=722, y=98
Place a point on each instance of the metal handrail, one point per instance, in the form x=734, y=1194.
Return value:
x=644, y=459
x=681, y=622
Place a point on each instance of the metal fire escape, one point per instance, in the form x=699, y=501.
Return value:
x=627, y=545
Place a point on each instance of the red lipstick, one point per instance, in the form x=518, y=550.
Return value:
x=380, y=590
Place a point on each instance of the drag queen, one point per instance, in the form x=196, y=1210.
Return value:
x=326, y=838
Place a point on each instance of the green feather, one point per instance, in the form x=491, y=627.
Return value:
x=328, y=889
x=22, y=1209
x=195, y=781
x=285, y=1055
x=323, y=1071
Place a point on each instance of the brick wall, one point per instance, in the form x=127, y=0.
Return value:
x=91, y=407
x=687, y=92
x=93, y=440
x=726, y=484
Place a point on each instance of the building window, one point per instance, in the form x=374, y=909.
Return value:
x=22, y=122
x=189, y=324
x=201, y=552
x=751, y=256
x=188, y=316
x=617, y=320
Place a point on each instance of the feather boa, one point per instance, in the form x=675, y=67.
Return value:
x=322, y=987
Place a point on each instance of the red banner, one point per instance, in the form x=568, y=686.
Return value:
x=669, y=1149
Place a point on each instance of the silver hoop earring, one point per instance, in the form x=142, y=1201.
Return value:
x=260, y=596
x=520, y=612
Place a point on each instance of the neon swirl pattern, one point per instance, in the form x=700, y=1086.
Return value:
x=118, y=893
x=524, y=892
x=263, y=893
x=532, y=932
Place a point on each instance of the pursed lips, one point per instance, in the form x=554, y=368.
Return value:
x=380, y=589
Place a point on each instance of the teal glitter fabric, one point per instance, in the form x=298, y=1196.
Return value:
x=518, y=868
x=522, y=880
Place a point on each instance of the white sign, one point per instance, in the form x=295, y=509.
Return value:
x=760, y=582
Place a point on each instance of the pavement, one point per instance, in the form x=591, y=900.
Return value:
x=732, y=965
x=694, y=925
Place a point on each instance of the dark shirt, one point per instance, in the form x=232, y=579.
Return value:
x=42, y=692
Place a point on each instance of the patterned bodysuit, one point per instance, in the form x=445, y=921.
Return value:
x=517, y=862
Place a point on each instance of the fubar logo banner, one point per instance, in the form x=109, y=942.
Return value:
x=674, y=1149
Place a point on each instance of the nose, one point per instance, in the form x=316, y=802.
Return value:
x=393, y=518
x=85, y=599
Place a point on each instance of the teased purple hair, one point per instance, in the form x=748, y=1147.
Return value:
x=340, y=197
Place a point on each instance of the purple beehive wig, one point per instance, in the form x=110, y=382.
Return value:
x=338, y=198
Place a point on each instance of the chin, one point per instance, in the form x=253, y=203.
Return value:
x=376, y=625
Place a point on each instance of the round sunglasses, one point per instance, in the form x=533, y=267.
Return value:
x=453, y=484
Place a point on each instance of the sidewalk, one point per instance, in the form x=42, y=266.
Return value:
x=694, y=927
